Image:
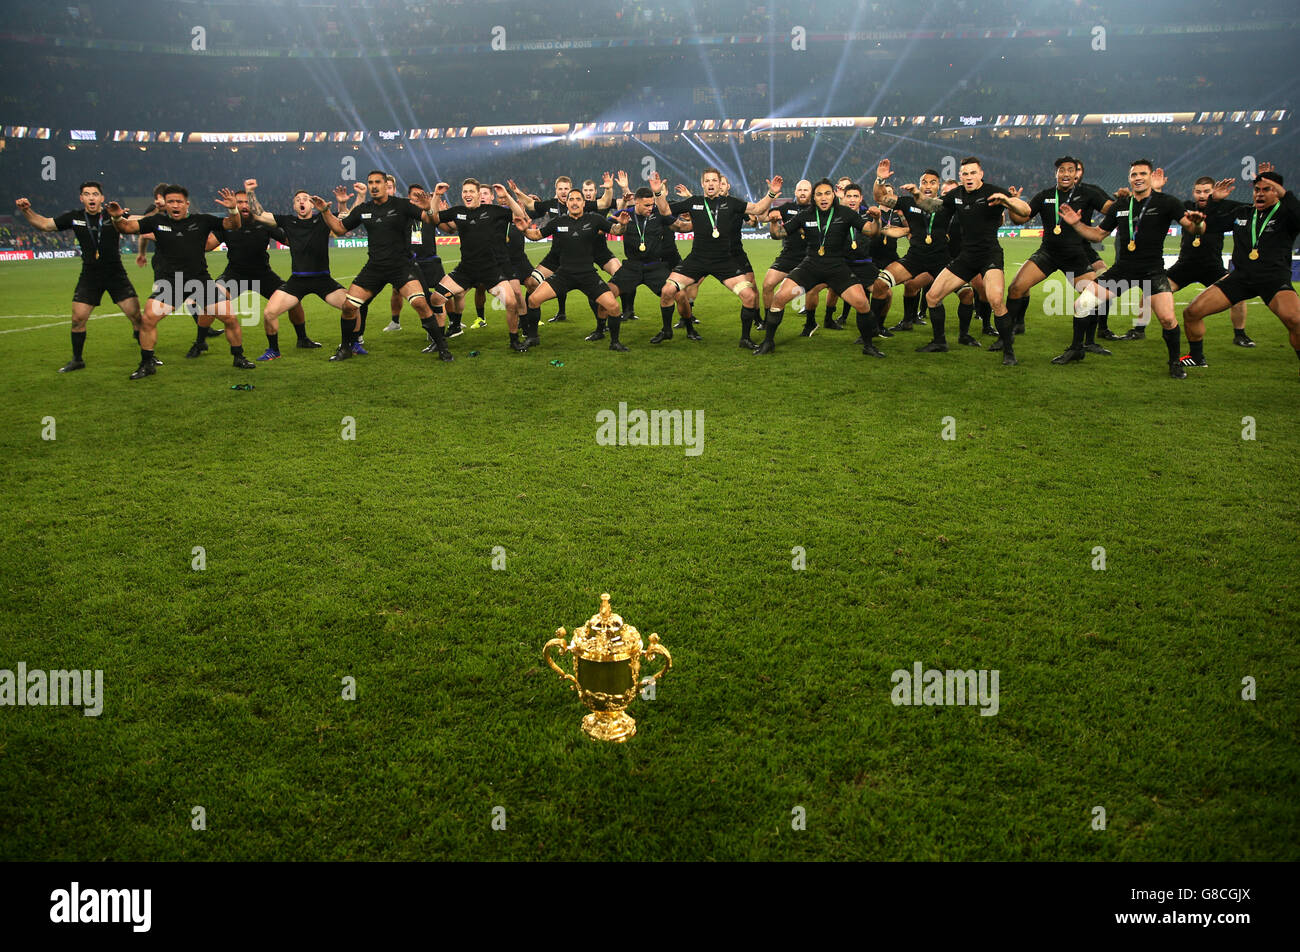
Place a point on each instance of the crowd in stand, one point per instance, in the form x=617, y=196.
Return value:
x=103, y=90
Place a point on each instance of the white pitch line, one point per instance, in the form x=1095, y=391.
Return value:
x=37, y=327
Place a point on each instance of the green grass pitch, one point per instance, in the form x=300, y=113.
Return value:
x=373, y=559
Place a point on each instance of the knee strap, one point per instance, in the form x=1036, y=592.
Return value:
x=355, y=302
x=742, y=287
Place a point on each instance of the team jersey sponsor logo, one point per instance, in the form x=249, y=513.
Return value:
x=78, y=222
x=366, y=215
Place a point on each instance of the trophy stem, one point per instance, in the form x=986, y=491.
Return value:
x=616, y=726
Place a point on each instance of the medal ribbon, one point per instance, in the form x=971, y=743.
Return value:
x=1134, y=222
x=1254, y=235
x=93, y=232
x=709, y=212
x=636, y=220
x=817, y=215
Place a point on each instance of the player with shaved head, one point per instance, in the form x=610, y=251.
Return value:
x=792, y=250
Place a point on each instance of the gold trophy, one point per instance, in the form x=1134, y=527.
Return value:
x=607, y=656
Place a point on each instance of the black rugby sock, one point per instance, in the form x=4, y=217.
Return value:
x=938, y=317
x=1174, y=341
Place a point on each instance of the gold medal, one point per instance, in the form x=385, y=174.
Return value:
x=96, y=255
x=855, y=244
x=821, y=251
x=1056, y=230
x=928, y=239
x=1132, y=246
x=716, y=233
x=643, y=246
x=1196, y=242
x=1254, y=254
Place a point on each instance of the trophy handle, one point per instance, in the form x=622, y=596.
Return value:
x=558, y=642
x=657, y=649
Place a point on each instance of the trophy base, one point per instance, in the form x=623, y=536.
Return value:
x=616, y=726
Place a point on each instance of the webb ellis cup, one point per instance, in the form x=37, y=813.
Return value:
x=607, y=656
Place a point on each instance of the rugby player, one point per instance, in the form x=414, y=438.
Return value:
x=577, y=238
x=308, y=238
x=1140, y=219
x=716, y=219
x=183, y=239
x=387, y=220
x=1263, y=233
x=248, y=266
x=978, y=206
x=101, y=264
x=830, y=228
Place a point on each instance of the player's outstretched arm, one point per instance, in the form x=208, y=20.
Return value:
x=531, y=231
x=323, y=206
x=36, y=221
x=761, y=207
x=925, y=204
x=1013, y=203
x=257, y=212
x=226, y=199
x=606, y=198
x=524, y=199
x=124, y=225
x=515, y=210
x=332, y=221
x=1075, y=221
x=883, y=174
x=660, y=188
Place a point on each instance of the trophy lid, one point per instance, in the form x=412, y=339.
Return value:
x=605, y=636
